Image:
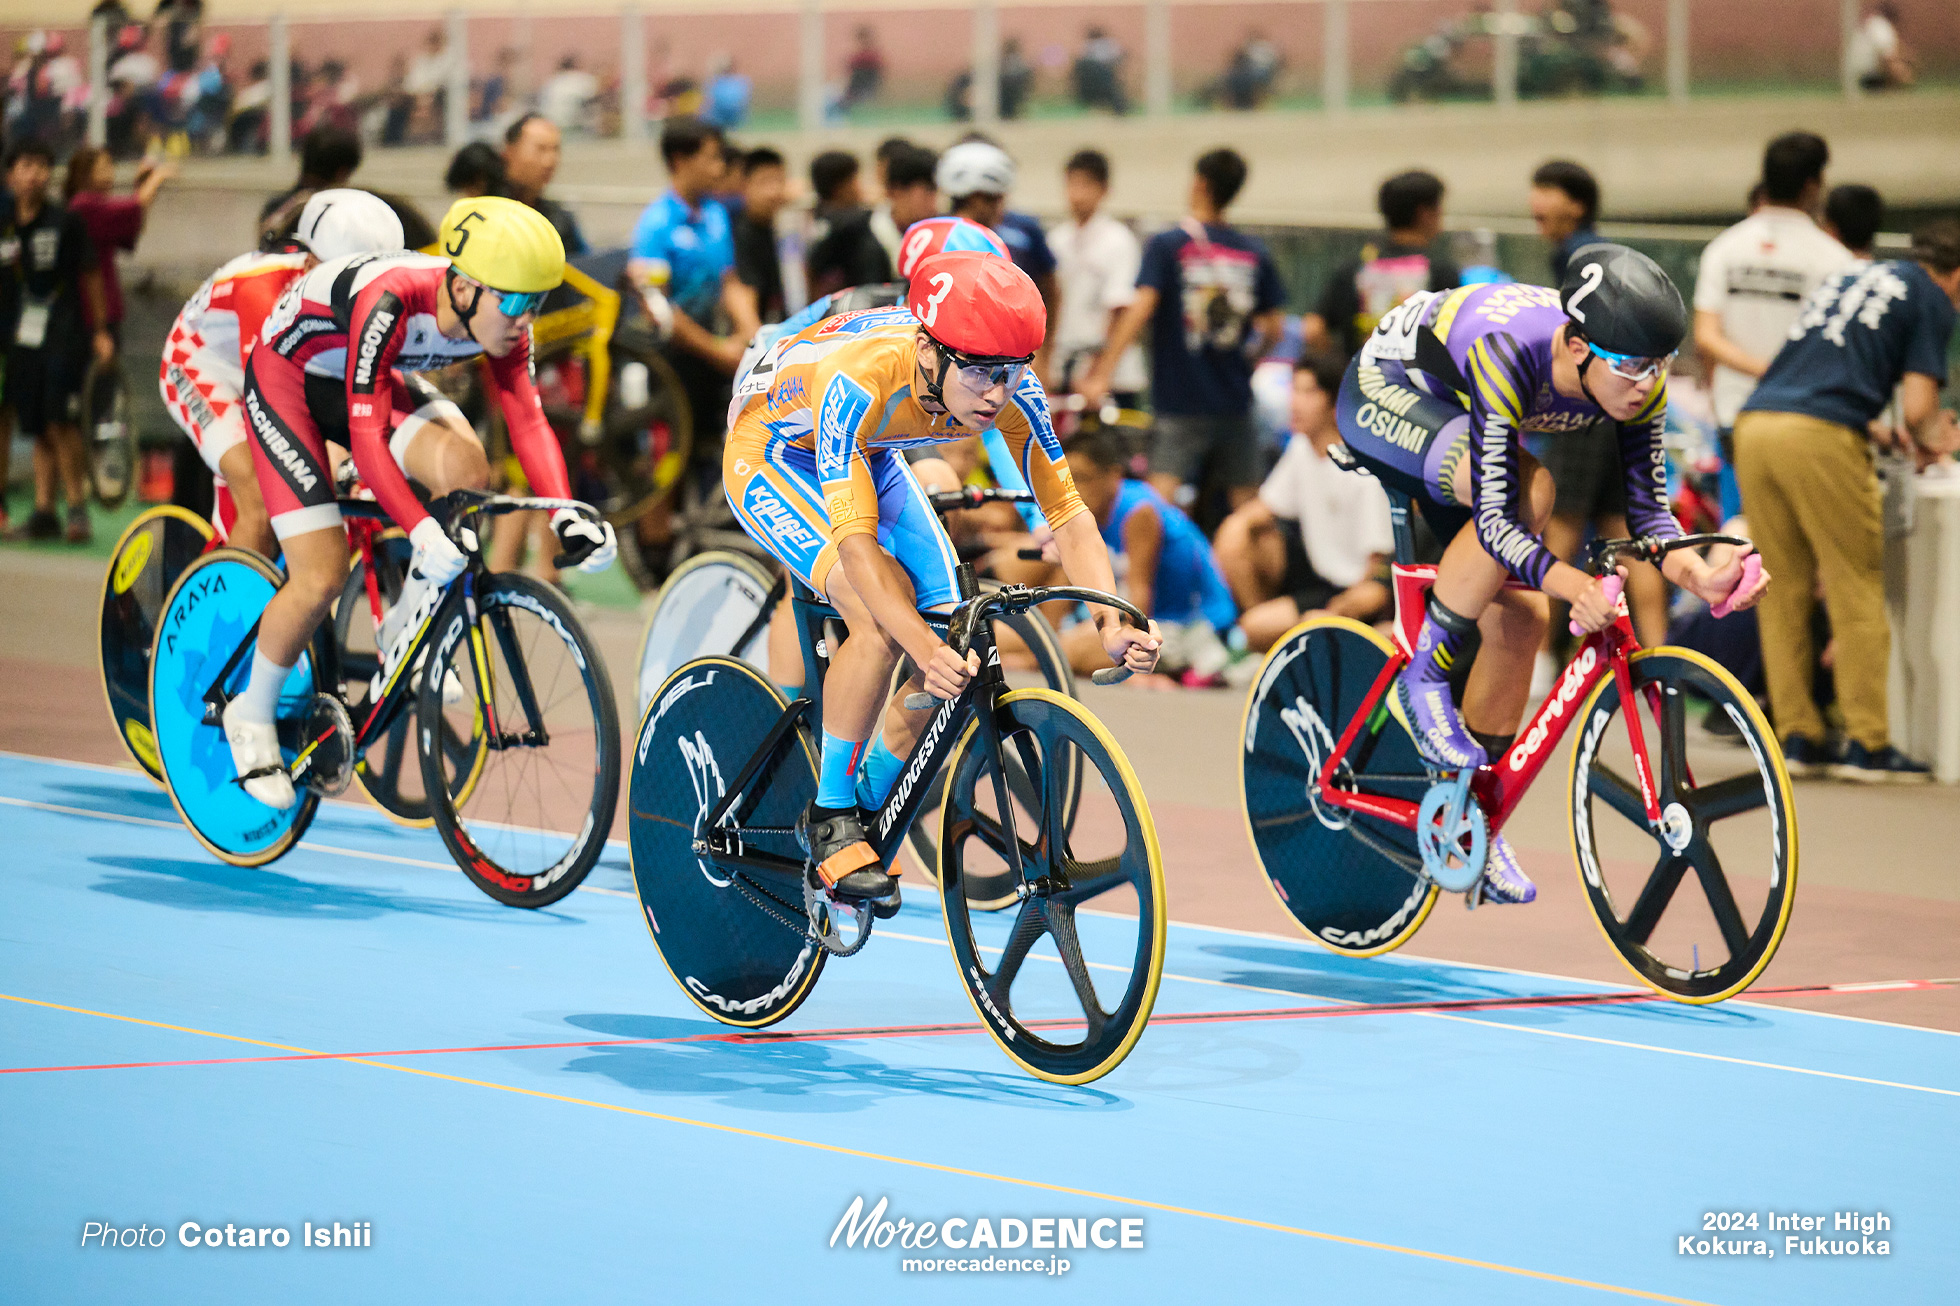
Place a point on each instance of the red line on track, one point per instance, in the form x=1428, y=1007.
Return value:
x=1613, y=998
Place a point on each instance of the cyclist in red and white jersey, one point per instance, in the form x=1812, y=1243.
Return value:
x=326, y=357
x=202, y=376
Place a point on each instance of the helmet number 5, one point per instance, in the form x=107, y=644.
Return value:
x=461, y=236
x=942, y=286
x=1593, y=274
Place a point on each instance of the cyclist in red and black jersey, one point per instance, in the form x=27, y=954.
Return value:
x=325, y=359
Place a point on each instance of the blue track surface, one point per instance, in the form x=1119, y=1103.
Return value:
x=1365, y=1158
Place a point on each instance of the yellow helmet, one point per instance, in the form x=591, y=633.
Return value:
x=503, y=244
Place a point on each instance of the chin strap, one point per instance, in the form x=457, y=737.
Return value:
x=935, y=392
x=476, y=300
x=1585, y=389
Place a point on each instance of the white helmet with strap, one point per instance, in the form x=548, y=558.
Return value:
x=336, y=223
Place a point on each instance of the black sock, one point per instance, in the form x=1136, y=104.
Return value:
x=818, y=815
x=1495, y=746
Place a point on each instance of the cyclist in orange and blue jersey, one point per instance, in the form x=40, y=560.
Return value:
x=814, y=469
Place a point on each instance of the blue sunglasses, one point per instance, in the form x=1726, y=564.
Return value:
x=516, y=303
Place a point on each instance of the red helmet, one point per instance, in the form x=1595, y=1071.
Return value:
x=978, y=305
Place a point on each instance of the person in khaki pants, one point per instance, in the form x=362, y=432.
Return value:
x=1804, y=462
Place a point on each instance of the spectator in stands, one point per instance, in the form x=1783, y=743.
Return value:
x=977, y=175
x=113, y=222
x=531, y=152
x=1016, y=79
x=1754, y=275
x=566, y=98
x=765, y=189
x=212, y=101
x=50, y=290
x=843, y=250
x=328, y=157
x=1565, y=205
x=1163, y=564
x=1249, y=75
x=1852, y=215
x=494, y=96
x=476, y=169
x=1879, y=59
x=1098, y=73
x=183, y=32
x=1206, y=289
x=1391, y=268
x=1317, y=538
x=246, y=132
x=1096, y=263
x=864, y=74
x=726, y=103
x=882, y=226
x=1813, y=501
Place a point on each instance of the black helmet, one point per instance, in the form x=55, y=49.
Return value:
x=1622, y=302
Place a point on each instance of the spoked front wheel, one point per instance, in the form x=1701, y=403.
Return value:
x=1728, y=827
x=526, y=809
x=1066, y=986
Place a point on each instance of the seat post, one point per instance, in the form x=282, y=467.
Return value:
x=1399, y=505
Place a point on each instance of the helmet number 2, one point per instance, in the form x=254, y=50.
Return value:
x=1593, y=274
x=942, y=286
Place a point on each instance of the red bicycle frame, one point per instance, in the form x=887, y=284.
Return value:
x=1499, y=786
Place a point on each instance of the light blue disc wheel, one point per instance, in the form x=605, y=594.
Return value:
x=208, y=615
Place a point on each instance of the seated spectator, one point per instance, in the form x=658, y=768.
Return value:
x=865, y=72
x=726, y=104
x=1317, y=538
x=1247, y=81
x=1098, y=73
x=1163, y=564
x=246, y=132
x=1853, y=214
x=475, y=170
x=844, y=252
x=1879, y=59
x=1016, y=79
x=566, y=97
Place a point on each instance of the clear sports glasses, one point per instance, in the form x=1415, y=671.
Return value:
x=1630, y=366
x=982, y=377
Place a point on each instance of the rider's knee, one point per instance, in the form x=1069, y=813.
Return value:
x=1542, y=493
x=317, y=587
x=936, y=475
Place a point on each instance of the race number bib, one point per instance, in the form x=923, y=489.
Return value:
x=1395, y=334
x=32, y=329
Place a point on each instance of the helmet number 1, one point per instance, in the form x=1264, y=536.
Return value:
x=942, y=286
x=461, y=236
x=1593, y=274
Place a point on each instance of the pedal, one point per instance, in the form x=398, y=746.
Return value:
x=325, y=761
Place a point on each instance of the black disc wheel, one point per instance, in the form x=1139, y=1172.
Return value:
x=1066, y=982
x=1696, y=902
x=145, y=565
x=526, y=809
x=1352, y=881
x=734, y=937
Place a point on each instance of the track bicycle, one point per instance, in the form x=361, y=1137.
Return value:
x=1357, y=835
x=724, y=767
x=722, y=602
x=517, y=734
x=108, y=433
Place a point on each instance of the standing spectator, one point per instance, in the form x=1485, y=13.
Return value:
x=246, y=132
x=1204, y=289
x=475, y=170
x=1096, y=263
x=1389, y=270
x=864, y=73
x=327, y=158
x=1317, y=538
x=977, y=176
x=1813, y=500
x=1754, y=276
x=113, y=222
x=726, y=103
x=1098, y=73
x=843, y=250
x=1879, y=59
x=565, y=99
x=765, y=189
x=427, y=85
x=882, y=224
x=183, y=32
x=1852, y=216
x=1565, y=205
x=49, y=291
x=212, y=103
x=531, y=151
x=1016, y=79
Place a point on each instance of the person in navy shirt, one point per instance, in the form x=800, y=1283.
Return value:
x=1212, y=298
x=1812, y=500
x=977, y=175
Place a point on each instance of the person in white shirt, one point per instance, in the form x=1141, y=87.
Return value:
x=1096, y=263
x=1317, y=537
x=1879, y=59
x=1755, y=275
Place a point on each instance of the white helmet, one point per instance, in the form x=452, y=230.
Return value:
x=336, y=223
x=975, y=168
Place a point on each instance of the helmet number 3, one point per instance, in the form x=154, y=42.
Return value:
x=942, y=286
x=1593, y=274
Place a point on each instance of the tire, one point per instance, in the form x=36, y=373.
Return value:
x=1693, y=951
x=920, y=850
x=1110, y=860
x=152, y=553
x=704, y=607
x=110, y=436
x=740, y=963
x=1350, y=880
x=389, y=771
x=526, y=821
x=210, y=610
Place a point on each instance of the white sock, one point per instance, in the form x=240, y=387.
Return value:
x=260, y=701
